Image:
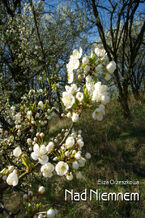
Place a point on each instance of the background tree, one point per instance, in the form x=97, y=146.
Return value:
x=136, y=74
x=119, y=14
x=35, y=47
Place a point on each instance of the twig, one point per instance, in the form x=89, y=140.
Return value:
x=61, y=143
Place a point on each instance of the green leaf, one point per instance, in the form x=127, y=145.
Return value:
x=83, y=65
x=54, y=85
x=21, y=108
x=93, y=59
x=26, y=161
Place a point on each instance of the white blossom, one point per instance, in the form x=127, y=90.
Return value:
x=72, y=89
x=90, y=87
x=61, y=168
x=105, y=98
x=100, y=52
x=12, y=178
x=68, y=99
x=99, y=113
x=79, y=96
x=80, y=143
x=69, y=142
x=47, y=170
x=77, y=54
x=73, y=64
x=99, y=93
x=70, y=77
x=17, y=151
x=39, y=153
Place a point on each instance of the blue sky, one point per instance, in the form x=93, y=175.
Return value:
x=93, y=34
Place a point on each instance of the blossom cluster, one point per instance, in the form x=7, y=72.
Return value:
x=29, y=196
x=61, y=155
x=32, y=150
x=85, y=70
x=54, y=157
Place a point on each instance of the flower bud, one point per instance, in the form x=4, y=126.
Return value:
x=51, y=213
x=79, y=175
x=41, y=190
x=35, y=139
x=50, y=147
x=25, y=197
x=55, y=140
x=68, y=115
x=41, y=135
x=69, y=176
x=29, y=141
x=87, y=68
x=4, y=178
x=111, y=67
x=85, y=60
x=37, y=134
x=87, y=155
x=40, y=216
x=75, y=165
x=30, y=193
x=88, y=79
x=11, y=168
x=75, y=117
x=17, y=152
x=40, y=104
x=77, y=155
x=29, y=114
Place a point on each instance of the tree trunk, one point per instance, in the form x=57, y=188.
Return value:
x=136, y=94
x=123, y=99
x=125, y=107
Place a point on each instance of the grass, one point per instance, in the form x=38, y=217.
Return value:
x=118, y=152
